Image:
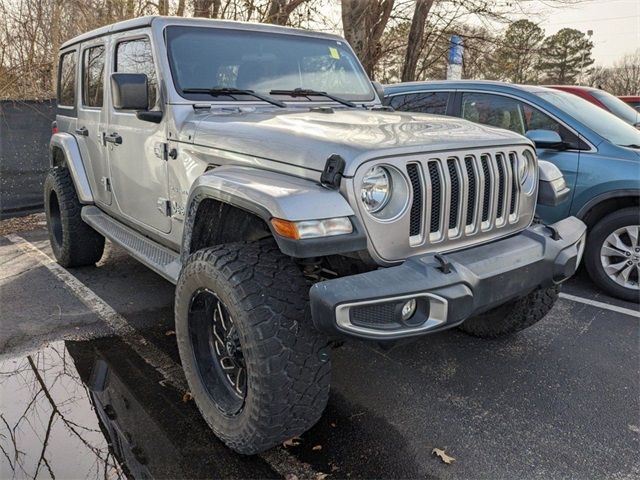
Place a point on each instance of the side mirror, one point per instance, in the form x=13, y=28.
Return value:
x=129, y=91
x=377, y=86
x=545, y=138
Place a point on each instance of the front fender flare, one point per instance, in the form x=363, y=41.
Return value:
x=69, y=146
x=269, y=194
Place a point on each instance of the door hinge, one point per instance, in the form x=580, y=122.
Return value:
x=163, y=151
x=106, y=183
x=164, y=205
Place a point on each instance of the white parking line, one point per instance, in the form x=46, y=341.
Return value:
x=595, y=303
x=279, y=459
x=171, y=371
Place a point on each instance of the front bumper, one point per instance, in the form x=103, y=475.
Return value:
x=467, y=283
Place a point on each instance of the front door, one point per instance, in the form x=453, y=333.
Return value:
x=92, y=120
x=138, y=173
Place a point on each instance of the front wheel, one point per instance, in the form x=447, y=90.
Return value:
x=512, y=316
x=257, y=369
x=612, y=254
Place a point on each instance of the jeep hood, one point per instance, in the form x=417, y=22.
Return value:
x=307, y=138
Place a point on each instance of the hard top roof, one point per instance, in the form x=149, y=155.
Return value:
x=147, y=21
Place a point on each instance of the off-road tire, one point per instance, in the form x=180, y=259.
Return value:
x=595, y=239
x=287, y=359
x=512, y=316
x=74, y=243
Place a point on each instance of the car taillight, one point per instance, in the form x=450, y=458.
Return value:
x=54, y=127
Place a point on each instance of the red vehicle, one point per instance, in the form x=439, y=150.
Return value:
x=604, y=100
x=633, y=100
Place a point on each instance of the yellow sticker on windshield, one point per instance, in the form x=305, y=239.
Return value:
x=334, y=53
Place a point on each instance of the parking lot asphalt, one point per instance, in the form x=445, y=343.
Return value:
x=90, y=385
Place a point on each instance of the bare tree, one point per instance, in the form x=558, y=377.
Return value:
x=623, y=78
x=280, y=10
x=416, y=38
x=364, y=22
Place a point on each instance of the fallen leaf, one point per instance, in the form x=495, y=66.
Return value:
x=333, y=424
x=186, y=397
x=443, y=456
x=290, y=476
x=321, y=476
x=292, y=442
x=317, y=447
x=168, y=333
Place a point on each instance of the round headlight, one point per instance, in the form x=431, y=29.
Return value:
x=525, y=167
x=376, y=189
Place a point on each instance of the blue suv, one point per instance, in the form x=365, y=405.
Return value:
x=598, y=153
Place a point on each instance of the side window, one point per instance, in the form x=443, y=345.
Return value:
x=67, y=80
x=495, y=110
x=428, y=102
x=135, y=56
x=93, y=76
x=537, y=120
x=511, y=114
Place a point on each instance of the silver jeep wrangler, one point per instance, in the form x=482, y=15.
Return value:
x=254, y=167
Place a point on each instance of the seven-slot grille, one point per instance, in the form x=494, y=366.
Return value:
x=462, y=195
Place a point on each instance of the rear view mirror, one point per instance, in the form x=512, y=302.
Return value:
x=129, y=91
x=545, y=138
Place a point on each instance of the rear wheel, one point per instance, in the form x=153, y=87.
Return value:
x=612, y=254
x=512, y=316
x=74, y=243
x=256, y=367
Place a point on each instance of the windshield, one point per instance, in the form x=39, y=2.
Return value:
x=204, y=58
x=617, y=106
x=597, y=119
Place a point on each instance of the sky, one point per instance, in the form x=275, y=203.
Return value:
x=615, y=25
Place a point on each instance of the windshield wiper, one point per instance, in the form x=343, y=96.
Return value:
x=306, y=92
x=632, y=145
x=230, y=92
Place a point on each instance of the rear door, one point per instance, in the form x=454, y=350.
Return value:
x=92, y=119
x=138, y=171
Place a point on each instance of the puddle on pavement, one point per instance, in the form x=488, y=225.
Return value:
x=96, y=410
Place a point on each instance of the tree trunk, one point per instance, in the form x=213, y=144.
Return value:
x=56, y=41
x=202, y=8
x=180, y=10
x=280, y=10
x=415, y=39
x=364, y=22
x=163, y=7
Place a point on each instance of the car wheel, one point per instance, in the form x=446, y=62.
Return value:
x=612, y=255
x=74, y=243
x=257, y=368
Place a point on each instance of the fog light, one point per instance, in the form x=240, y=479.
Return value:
x=408, y=309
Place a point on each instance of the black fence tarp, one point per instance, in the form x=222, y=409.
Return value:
x=25, y=130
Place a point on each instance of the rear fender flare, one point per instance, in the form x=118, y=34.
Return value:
x=69, y=147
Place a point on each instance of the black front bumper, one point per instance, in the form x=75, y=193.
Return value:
x=469, y=282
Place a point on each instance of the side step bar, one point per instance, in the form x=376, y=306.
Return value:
x=161, y=260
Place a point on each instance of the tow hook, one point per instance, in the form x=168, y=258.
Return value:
x=445, y=266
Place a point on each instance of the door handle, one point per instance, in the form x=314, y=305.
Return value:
x=82, y=131
x=113, y=138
